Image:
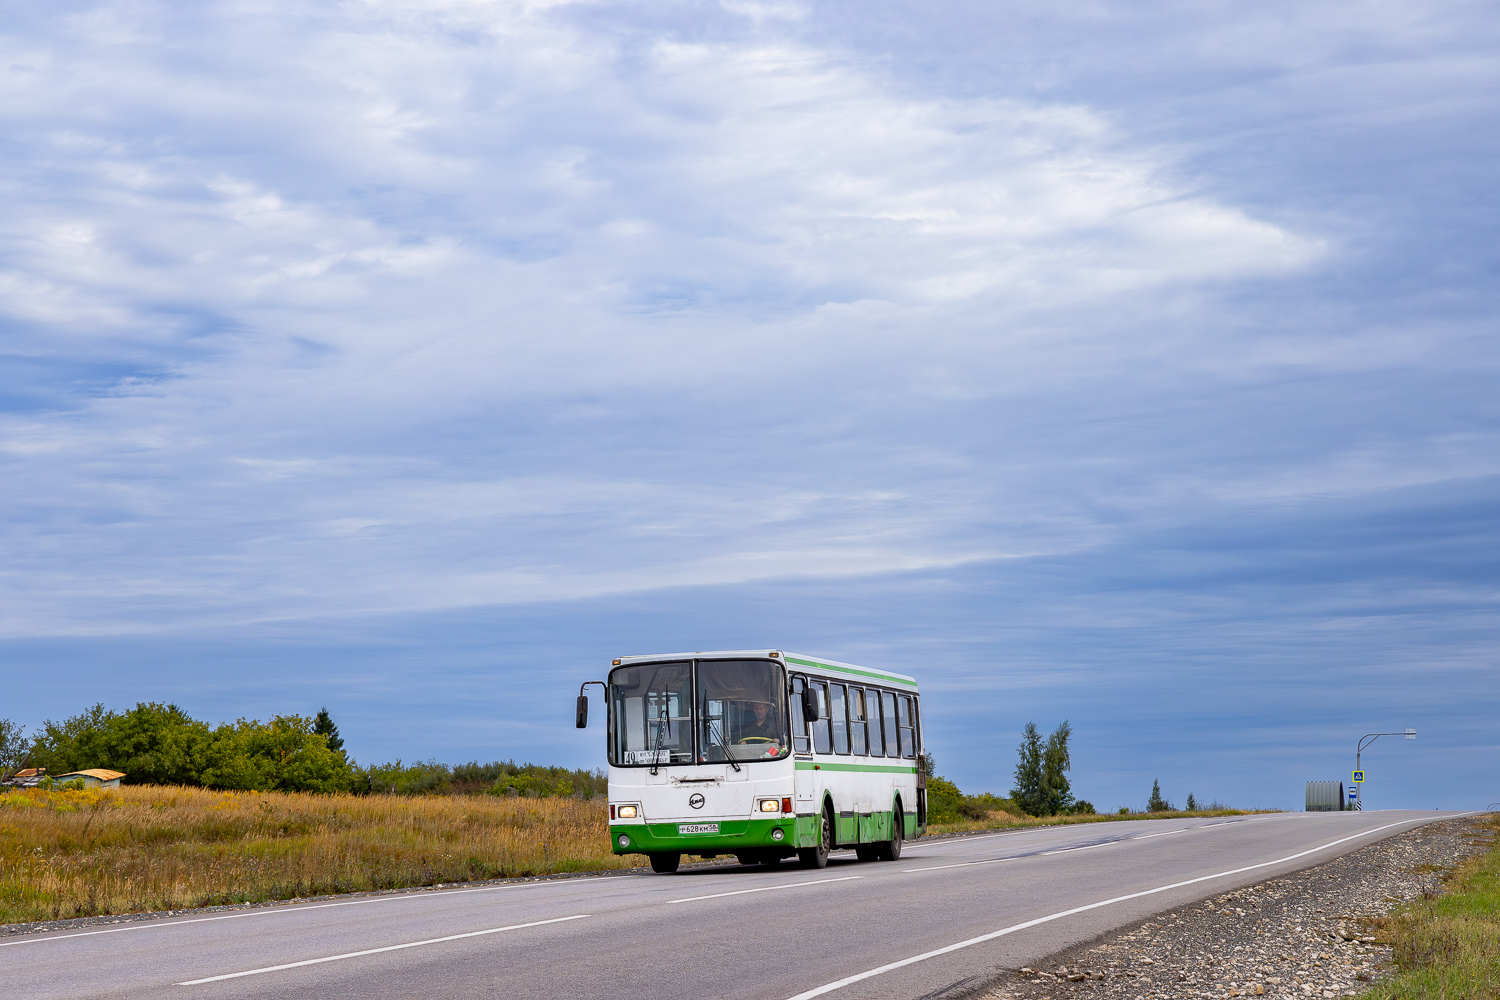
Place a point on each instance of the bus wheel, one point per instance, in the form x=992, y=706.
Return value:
x=665, y=864
x=817, y=857
x=891, y=849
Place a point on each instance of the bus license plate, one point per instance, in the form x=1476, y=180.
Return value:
x=683, y=829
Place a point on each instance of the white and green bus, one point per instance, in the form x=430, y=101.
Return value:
x=761, y=754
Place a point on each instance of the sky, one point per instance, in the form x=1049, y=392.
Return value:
x=1129, y=366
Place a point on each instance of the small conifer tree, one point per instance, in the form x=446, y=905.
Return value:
x=1192, y=803
x=1029, y=793
x=1156, y=803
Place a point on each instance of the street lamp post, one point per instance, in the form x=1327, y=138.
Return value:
x=1364, y=741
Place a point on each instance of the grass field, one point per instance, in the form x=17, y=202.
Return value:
x=1448, y=947
x=82, y=853
x=144, y=847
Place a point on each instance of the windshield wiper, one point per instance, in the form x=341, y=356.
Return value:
x=660, y=738
x=724, y=746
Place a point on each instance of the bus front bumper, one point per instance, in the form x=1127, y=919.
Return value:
x=733, y=835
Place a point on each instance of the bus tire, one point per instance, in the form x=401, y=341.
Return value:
x=817, y=857
x=891, y=849
x=665, y=864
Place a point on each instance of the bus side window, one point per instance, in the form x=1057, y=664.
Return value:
x=908, y=731
x=840, y=720
x=888, y=709
x=800, y=742
x=857, y=720
x=820, y=729
x=916, y=721
x=872, y=707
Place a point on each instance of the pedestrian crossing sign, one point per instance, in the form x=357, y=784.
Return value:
x=1359, y=776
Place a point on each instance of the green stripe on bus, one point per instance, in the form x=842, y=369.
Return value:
x=869, y=768
x=850, y=670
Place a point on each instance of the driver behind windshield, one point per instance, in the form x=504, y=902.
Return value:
x=759, y=724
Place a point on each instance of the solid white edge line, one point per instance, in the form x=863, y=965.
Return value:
x=848, y=980
x=158, y=924
x=376, y=951
x=765, y=888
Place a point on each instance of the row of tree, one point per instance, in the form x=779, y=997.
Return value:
x=1042, y=785
x=156, y=744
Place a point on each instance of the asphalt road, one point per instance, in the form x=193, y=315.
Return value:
x=948, y=911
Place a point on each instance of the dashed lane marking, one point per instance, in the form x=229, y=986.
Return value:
x=765, y=888
x=376, y=951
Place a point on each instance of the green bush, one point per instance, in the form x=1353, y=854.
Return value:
x=155, y=744
x=495, y=778
x=947, y=804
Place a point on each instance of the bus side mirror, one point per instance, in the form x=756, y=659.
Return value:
x=583, y=711
x=809, y=704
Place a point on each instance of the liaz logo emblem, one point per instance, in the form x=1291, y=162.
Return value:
x=696, y=801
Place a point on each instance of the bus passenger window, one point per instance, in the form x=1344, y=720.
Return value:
x=800, y=742
x=908, y=732
x=820, y=729
x=872, y=707
x=916, y=720
x=839, y=720
x=857, y=720
x=888, y=709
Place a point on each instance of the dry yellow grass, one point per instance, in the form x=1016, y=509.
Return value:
x=138, y=848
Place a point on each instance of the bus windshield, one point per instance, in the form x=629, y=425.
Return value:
x=739, y=715
x=739, y=711
x=649, y=714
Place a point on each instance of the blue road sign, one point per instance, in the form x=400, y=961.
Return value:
x=1359, y=776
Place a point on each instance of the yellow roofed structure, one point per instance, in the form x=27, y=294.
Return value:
x=94, y=777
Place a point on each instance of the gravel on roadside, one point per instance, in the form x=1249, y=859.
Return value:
x=1303, y=935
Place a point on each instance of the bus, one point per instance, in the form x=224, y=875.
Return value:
x=762, y=754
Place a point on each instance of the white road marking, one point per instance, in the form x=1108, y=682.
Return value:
x=1086, y=847
x=932, y=845
x=848, y=980
x=300, y=908
x=1065, y=850
x=964, y=864
x=765, y=888
x=376, y=951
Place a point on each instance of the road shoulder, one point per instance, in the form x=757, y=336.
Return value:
x=1301, y=935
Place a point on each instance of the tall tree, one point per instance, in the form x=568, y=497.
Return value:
x=323, y=726
x=13, y=747
x=1029, y=793
x=1057, y=791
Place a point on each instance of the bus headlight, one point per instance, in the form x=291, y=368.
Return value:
x=626, y=812
x=770, y=805
x=624, y=840
x=776, y=834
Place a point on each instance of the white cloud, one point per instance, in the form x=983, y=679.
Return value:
x=448, y=303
